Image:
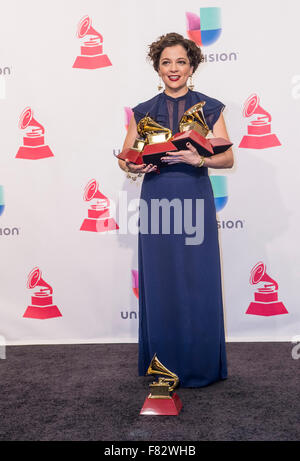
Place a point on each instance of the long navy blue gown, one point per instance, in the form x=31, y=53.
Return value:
x=180, y=294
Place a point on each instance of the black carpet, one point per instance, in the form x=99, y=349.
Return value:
x=92, y=392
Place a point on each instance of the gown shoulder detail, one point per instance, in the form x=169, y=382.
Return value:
x=156, y=107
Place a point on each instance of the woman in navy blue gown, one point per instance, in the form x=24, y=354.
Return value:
x=180, y=292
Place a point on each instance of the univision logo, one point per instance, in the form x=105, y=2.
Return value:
x=219, y=186
x=6, y=231
x=206, y=28
x=2, y=203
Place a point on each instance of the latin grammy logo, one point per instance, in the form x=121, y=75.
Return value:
x=259, y=130
x=266, y=297
x=98, y=219
x=135, y=283
x=41, y=302
x=91, y=56
x=34, y=147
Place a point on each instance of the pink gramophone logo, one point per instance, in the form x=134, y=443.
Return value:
x=34, y=146
x=259, y=130
x=266, y=297
x=91, y=56
x=41, y=302
x=98, y=219
x=135, y=282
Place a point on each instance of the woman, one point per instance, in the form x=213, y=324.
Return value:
x=180, y=297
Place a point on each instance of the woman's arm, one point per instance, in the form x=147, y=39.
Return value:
x=224, y=160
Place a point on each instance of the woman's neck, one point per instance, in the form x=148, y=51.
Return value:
x=176, y=93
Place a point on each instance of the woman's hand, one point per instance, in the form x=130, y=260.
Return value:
x=190, y=156
x=133, y=168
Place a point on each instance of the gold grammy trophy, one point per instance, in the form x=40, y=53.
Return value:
x=153, y=142
x=162, y=400
x=194, y=129
x=157, y=140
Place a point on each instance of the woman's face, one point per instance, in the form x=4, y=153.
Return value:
x=175, y=69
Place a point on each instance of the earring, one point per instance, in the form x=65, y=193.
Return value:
x=159, y=86
x=191, y=84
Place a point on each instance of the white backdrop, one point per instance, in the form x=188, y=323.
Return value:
x=83, y=114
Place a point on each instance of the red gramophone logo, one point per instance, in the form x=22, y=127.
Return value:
x=98, y=219
x=135, y=283
x=266, y=296
x=42, y=306
x=259, y=134
x=91, y=50
x=34, y=146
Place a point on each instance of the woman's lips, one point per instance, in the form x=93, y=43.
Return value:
x=173, y=78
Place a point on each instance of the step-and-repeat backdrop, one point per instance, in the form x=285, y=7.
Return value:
x=70, y=72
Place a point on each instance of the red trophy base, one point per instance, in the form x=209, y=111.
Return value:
x=202, y=144
x=220, y=145
x=152, y=153
x=34, y=153
x=132, y=155
x=99, y=225
x=259, y=142
x=169, y=407
x=42, y=312
x=92, y=62
x=266, y=309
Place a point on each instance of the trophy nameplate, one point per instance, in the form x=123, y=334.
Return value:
x=162, y=400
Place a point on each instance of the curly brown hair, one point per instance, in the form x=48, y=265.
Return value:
x=171, y=39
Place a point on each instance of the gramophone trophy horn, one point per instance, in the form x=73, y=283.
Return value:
x=259, y=134
x=194, y=129
x=152, y=131
x=258, y=274
x=152, y=143
x=85, y=28
x=164, y=386
x=193, y=119
x=92, y=191
x=162, y=400
x=26, y=119
x=157, y=140
x=35, y=279
x=252, y=107
x=266, y=297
